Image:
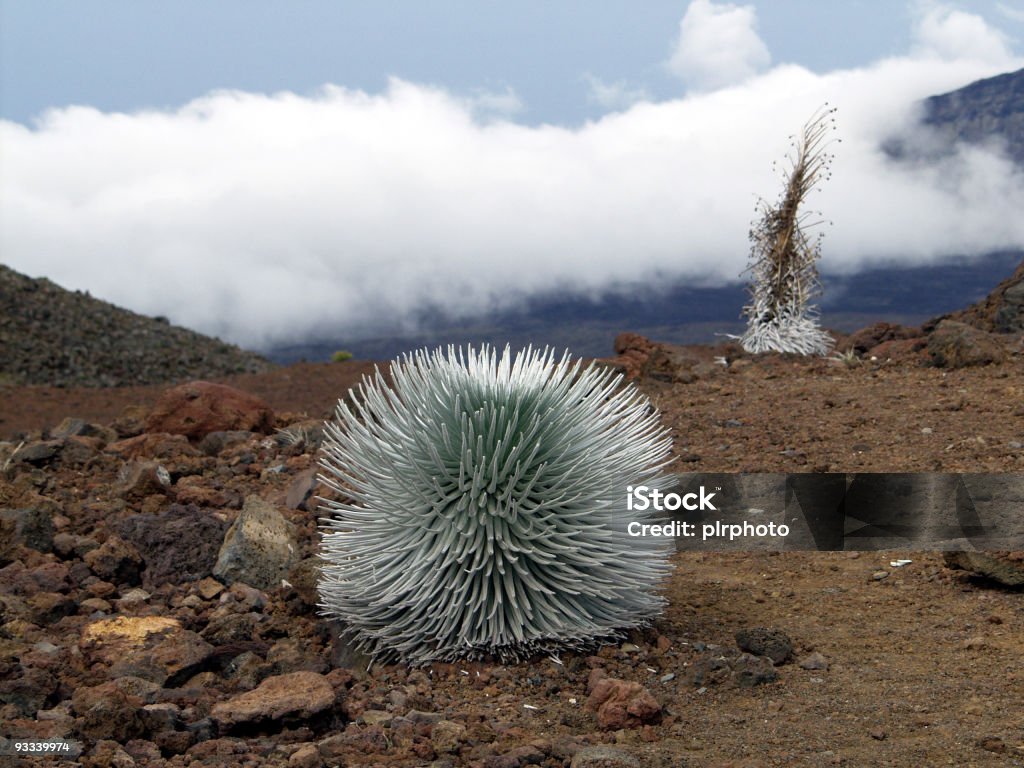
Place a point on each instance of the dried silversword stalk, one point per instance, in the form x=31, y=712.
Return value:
x=784, y=271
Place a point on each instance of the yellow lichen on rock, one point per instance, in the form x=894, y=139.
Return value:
x=132, y=630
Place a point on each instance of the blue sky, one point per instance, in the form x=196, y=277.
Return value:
x=265, y=171
x=130, y=54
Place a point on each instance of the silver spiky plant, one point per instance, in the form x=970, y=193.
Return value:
x=780, y=317
x=486, y=507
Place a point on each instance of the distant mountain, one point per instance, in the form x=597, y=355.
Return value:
x=686, y=315
x=987, y=109
x=49, y=335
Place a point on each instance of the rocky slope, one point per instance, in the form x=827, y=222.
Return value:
x=1002, y=311
x=982, y=111
x=49, y=335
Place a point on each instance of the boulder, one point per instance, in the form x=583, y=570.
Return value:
x=866, y=339
x=198, y=408
x=1007, y=568
x=957, y=345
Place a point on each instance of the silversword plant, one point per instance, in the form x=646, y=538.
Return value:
x=485, y=507
x=780, y=316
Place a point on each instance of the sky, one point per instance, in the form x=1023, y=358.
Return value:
x=265, y=172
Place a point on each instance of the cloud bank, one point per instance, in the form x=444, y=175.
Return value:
x=718, y=45
x=270, y=218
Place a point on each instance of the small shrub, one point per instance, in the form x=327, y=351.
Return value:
x=341, y=356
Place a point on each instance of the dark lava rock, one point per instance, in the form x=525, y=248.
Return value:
x=32, y=528
x=179, y=545
x=763, y=641
x=957, y=345
x=140, y=479
x=1007, y=568
x=868, y=338
x=107, y=712
x=39, y=453
x=749, y=670
x=28, y=691
x=115, y=561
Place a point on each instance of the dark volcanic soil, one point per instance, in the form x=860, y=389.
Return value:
x=888, y=666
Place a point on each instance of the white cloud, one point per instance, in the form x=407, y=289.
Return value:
x=490, y=104
x=1012, y=12
x=614, y=95
x=718, y=45
x=269, y=218
x=947, y=33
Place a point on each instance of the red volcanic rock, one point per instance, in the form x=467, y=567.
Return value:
x=198, y=408
x=631, y=353
x=867, y=339
x=620, y=703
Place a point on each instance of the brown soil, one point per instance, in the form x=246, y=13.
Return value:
x=923, y=664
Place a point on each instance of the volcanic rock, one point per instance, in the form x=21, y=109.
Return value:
x=151, y=647
x=620, y=703
x=1005, y=567
x=765, y=641
x=178, y=545
x=258, y=548
x=31, y=528
x=1002, y=311
x=115, y=561
x=866, y=339
x=957, y=345
x=300, y=694
x=198, y=408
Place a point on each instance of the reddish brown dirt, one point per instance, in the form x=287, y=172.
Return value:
x=924, y=664
x=309, y=388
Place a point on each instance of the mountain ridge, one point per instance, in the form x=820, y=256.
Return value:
x=49, y=335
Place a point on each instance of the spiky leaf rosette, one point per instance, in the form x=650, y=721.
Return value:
x=486, y=509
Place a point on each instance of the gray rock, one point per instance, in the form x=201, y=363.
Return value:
x=749, y=671
x=179, y=545
x=1007, y=568
x=814, y=661
x=344, y=652
x=259, y=548
x=38, y=453
x=300, y=492
x=765, y=641
x=957, y=345
x=602, y=756
x=32, y=528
